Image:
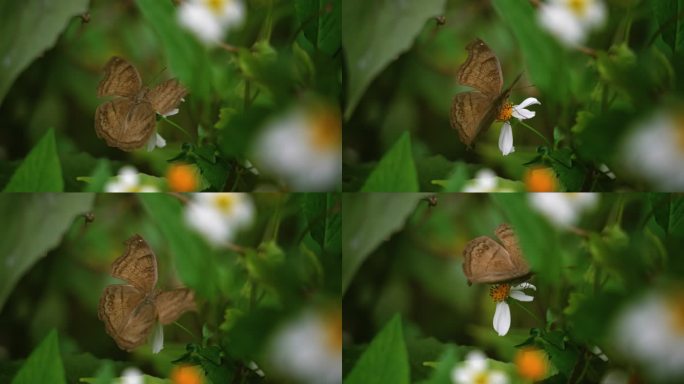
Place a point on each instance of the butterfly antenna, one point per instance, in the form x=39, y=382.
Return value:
x=186, y=330
x=154, y=79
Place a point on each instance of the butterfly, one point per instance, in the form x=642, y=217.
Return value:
x=130, y=311
x=473, y=112
x=486, y=261
x=128, y=121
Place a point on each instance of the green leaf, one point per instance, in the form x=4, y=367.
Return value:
x=323, y=216
x=396, y=171
x=187, y=58
x=385, y=360
x=40, y=171
x=668, y=210
x=546, y=60
x=191, y=255
x=444, y=368
x=28, y=29
x=320, y=20
x=44, y=365
x=457, y=179
x=536, y=240
x=98, y=179
x=570, y=173
x=374, y=34
x=32, y=232
x=668, y=15
x=369, y=220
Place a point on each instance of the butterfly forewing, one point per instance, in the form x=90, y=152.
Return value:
x=468, y=110
x=124, y=123
x=172, y=304
x=481, y=70
x=137, y=266
x=121, y=79
x=166, y=96
x=486, y=261
x=138, y=326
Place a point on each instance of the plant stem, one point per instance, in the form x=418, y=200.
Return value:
x=537, y=132
x=530, y=313
x=185, y=329
x=177, y=126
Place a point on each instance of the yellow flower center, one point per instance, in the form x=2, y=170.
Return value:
x=677, y=312
x=679, y=130
x=505, y=112
x=481, y=378
x=224, y=202
x=499, y=292
x=334, y=331
x=326, y=130
x=217, y=6
x=579, y=7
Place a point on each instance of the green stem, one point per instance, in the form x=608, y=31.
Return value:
x=537, y=132
x=185, y=329
x=530, y=313
x=176, y=125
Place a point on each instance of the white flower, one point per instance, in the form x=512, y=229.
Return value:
x=474, y=370
x=571, y=20
x=308, y=348
x=218, y=216
x=158, y=338
x=303, y=148
x=650, y=331
x=155, y=141
x=519, y=112
x=128, y=180
x=654, y=150
x=210, y=19
x=132, y=375
x=500, y=293
x=615, y=376
x=485, y=181
x=563, y=209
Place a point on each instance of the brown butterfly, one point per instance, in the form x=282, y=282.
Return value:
x=130, y=311
x=128, y=121
x=486, y=261
x=473, y=112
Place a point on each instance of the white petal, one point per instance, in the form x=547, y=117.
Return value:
x=476, y=360
x=128, y=177
x=522, y=286
x=506, y=139
x=131, y=375
x=200, y=21
x=527, y=102
x=497, y=377
x=462, y=375
x=171, y=112
x=520, y=296
x=158, y=338
x=522, y=113
x=502, y=318
x=160, y=142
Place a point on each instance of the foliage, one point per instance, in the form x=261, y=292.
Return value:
x=409, y=290
x=402, y=63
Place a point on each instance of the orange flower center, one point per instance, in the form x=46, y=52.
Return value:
x=187, y=374
x=505, y=112
x=326, y=129
x=182, y=178
x=540, y=179
x=499, y=292
x=531, y=363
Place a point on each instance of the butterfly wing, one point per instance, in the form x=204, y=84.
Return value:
x=510, y=241
x=486, y=261
x=137, y=265
x=125, y=124
x=128, y=317
x=470, y=114
x=481, y=70
x=166, y=96
x=121, y=79
x=172, y=304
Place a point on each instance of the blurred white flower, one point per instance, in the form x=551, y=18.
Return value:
x=500, y=293
x=210, y=19
x=308, y=348
x=485, y=181
x=650, y=331
x=303, y=148
x=254, y=367
x=132, y=375
x=128, y=180
x=218, y=216
x=654, y=150
x=519, y=112
x=158, y=338
x=563, y=209
x=615, y=376
x=570, y=21
x=474, y=370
